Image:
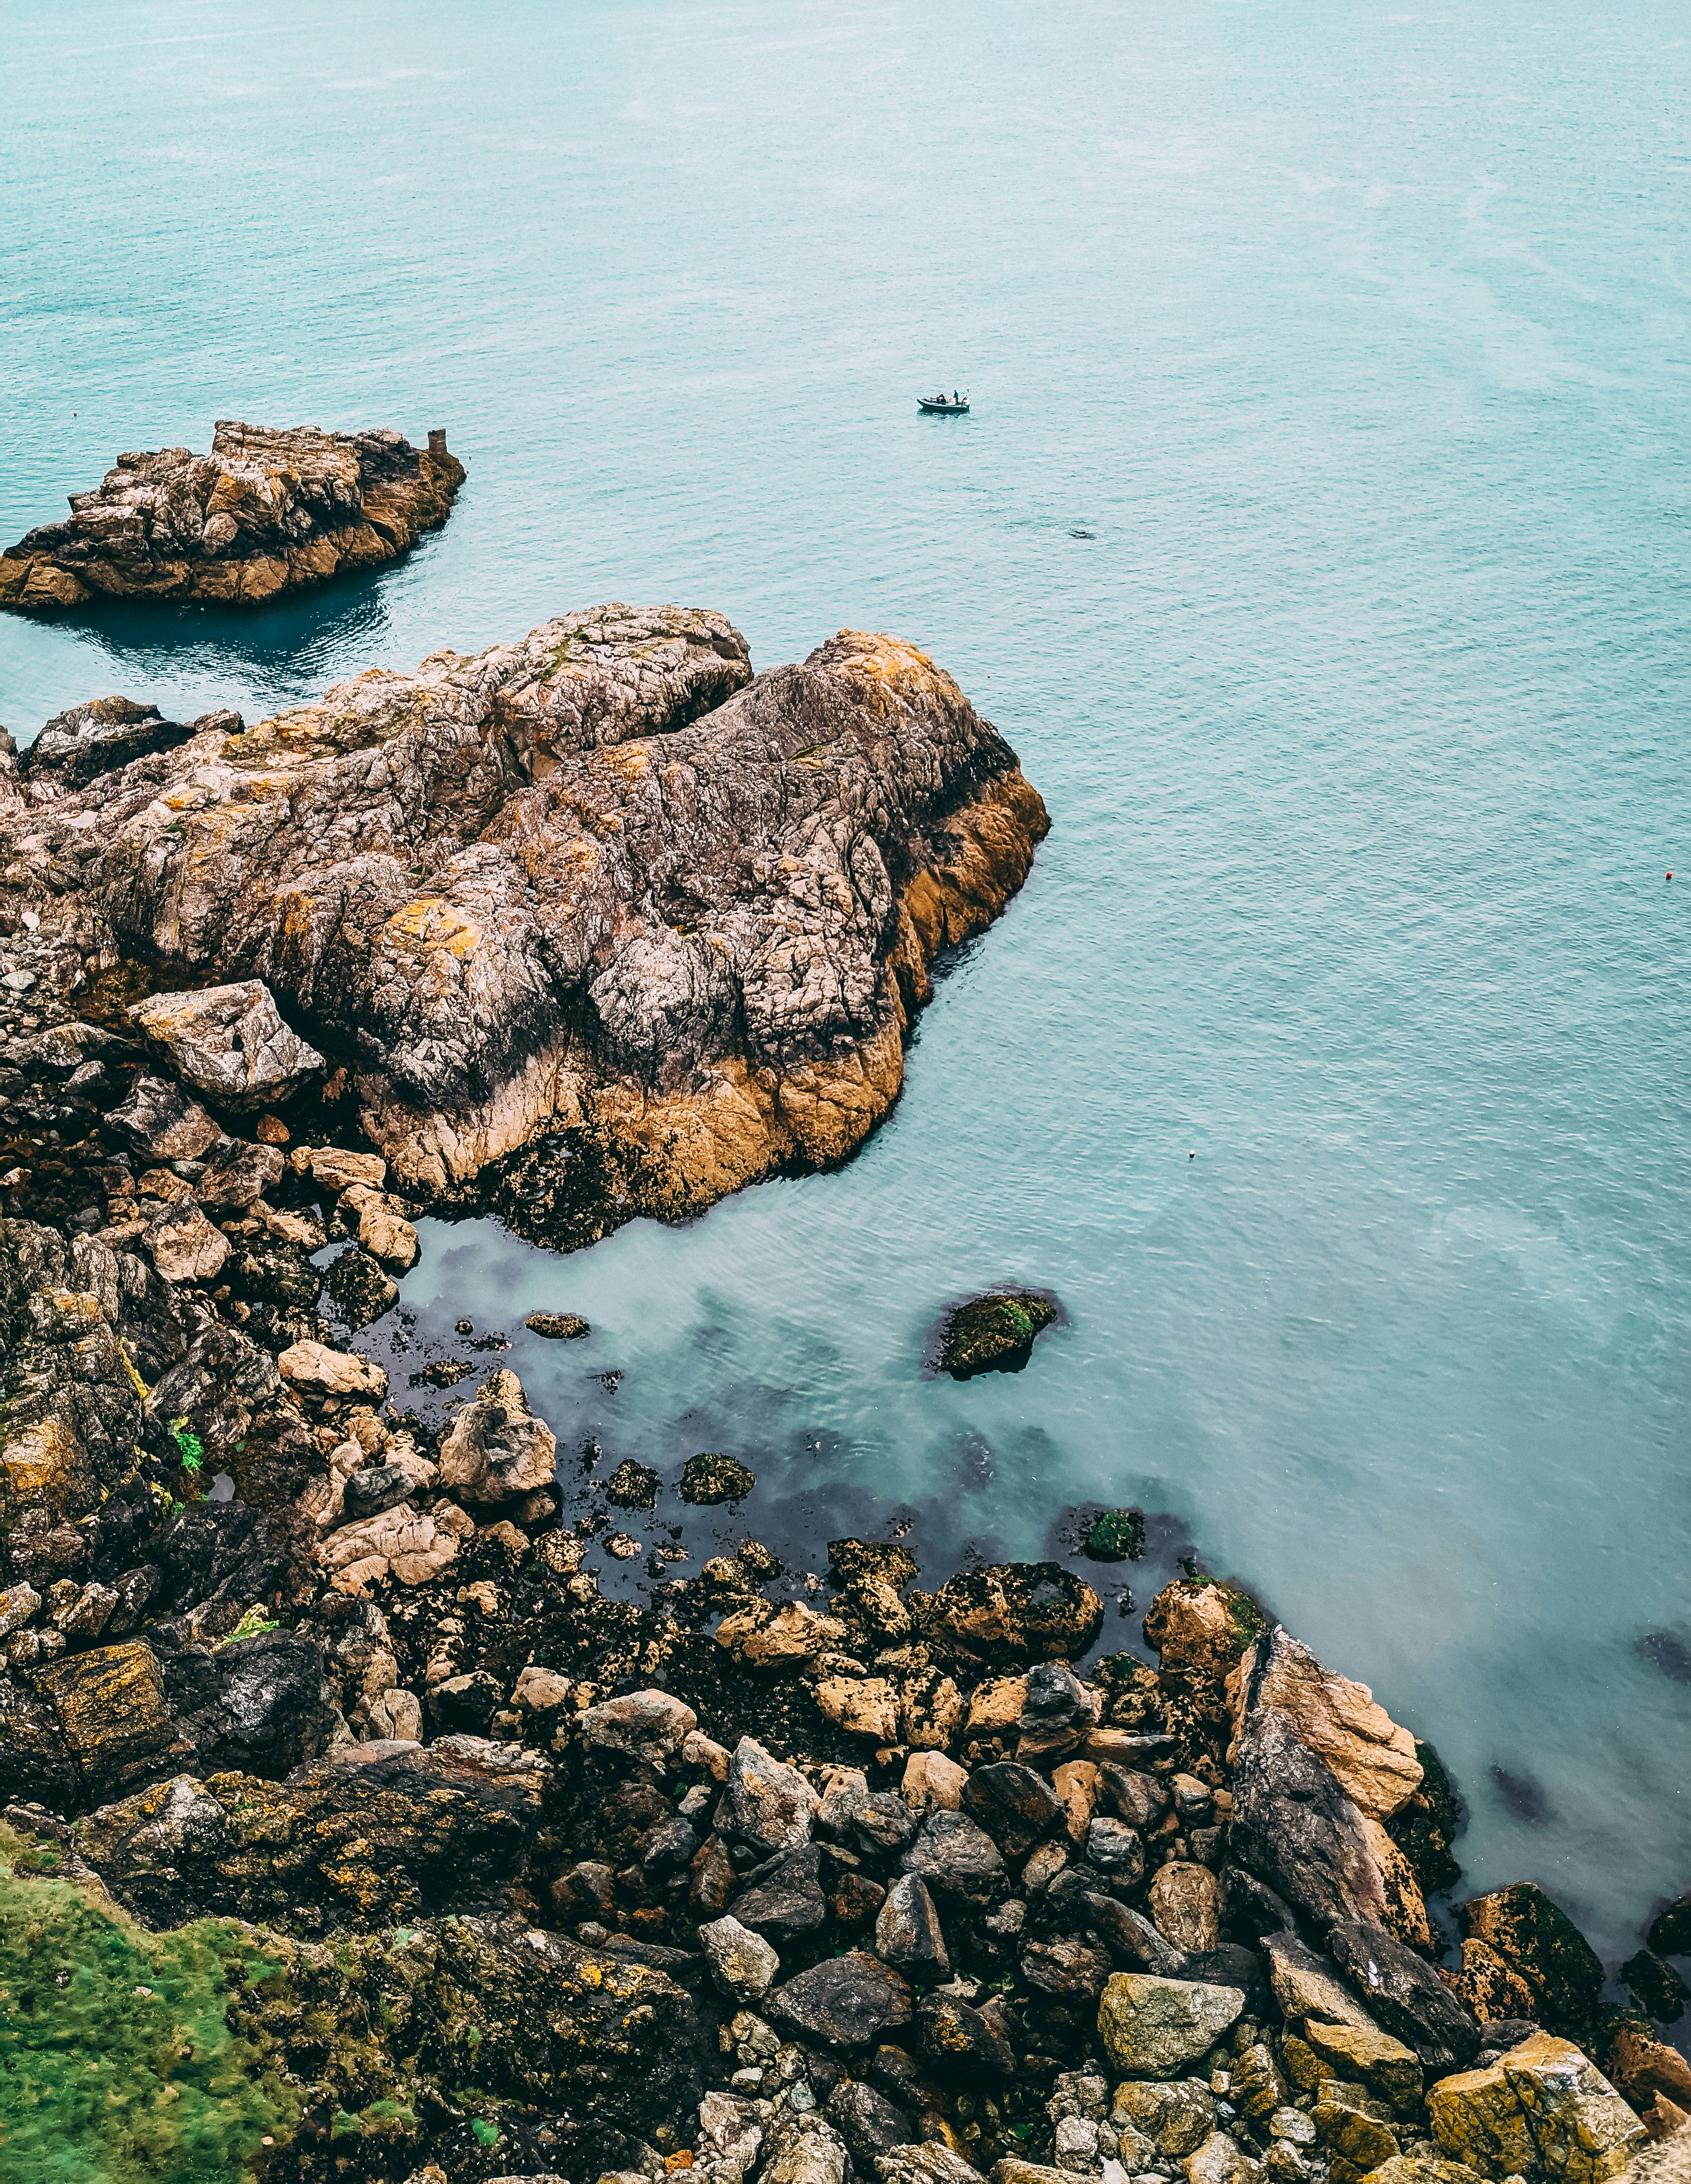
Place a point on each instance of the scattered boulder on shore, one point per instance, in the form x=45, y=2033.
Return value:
x=265, y=512
x=230, y=1044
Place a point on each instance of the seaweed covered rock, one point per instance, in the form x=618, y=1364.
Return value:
x=265, y=512
x=708, y=1479
x=992, y=1334
x=1115, y=1535
x=1015, y=1612
x=1541, y=1946
x=377, y=1835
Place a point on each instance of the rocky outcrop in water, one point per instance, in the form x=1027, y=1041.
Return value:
x=599, y=905
x=265, y=512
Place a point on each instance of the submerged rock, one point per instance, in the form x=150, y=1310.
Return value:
x=265, y=512
x=993, y=1334
x=557, y=1326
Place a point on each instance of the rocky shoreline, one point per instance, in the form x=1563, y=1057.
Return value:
x=266, y=513
x=354, y=1828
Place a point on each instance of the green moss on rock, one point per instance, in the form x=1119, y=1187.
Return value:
x=115, y=2062
x=993, y=1334
x=1116, y=1536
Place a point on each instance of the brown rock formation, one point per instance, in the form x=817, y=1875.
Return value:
x=600, y=886
x=264, y=512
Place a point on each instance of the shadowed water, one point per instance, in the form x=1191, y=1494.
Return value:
x=1355, y=339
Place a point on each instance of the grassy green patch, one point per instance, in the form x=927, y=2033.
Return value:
x=115, y=2063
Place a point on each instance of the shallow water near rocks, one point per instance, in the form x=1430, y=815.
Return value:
x=1317, y=537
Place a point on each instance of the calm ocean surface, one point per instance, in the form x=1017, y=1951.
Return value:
x=1355, y=339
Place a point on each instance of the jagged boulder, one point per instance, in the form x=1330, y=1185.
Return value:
x=265, y=512
x=230, y=1043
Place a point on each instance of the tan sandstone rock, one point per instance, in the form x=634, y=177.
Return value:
x=1331, y=1715
x=496, y=1450
x=317, y=1370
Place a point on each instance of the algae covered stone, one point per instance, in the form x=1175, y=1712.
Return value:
x=709, y=1478
x=1151, y=2026
x=993, y=1334
x=1116, y=1536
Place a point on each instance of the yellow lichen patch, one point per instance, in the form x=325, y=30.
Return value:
x=631, y=760
x=36, y=1458
x=883, y=668
x=434, y=924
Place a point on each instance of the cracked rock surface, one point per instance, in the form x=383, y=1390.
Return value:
x=265, y=512
x=599, y=905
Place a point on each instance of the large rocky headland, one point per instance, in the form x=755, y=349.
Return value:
x=600, y=912
x=265, y=513
x=353, y=1826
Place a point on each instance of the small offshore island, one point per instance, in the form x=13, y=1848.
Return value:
x=354, y=1831
x=264, y=514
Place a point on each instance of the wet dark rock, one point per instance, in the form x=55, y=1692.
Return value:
x=784, y=1895
x=992, y=1334
x=1136, y=1797
x=1656, y=1986
x=847, y=2001
x=1670, y=1930
x=961, y=2040
x=956, y=1859
x=466, y=1703
x=1016, y=1806
x=368, y=1492
x=557, y=1326
x=867, y=2121
x=1114, y=1849
x=631, y=1485
x=259, y=1706
x=708, y=1479
x=361, y=1290
x=908, y=1934
x=1064, y=1966
x=1405, y=1996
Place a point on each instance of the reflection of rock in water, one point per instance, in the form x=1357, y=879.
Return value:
x=1669, y=1653
x=1521, y=1796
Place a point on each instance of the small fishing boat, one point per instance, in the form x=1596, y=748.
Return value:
x=944, y=406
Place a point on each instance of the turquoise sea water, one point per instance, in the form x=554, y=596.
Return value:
x=1356, y=338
